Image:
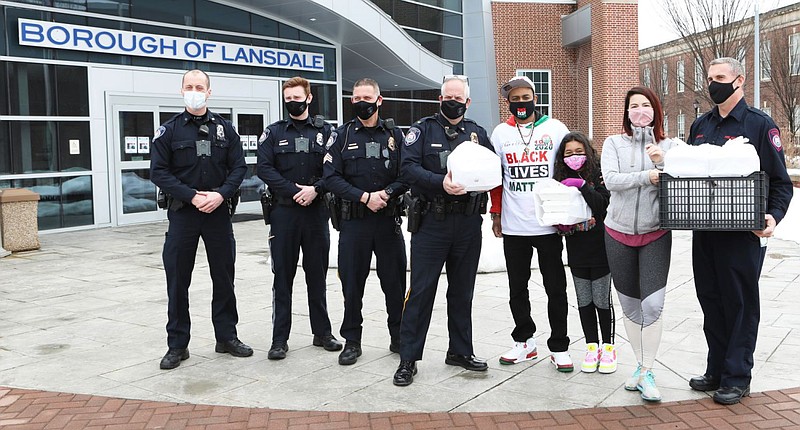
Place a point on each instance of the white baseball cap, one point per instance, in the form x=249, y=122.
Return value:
x=516, y=82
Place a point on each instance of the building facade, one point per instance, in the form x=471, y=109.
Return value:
x=86, y=82
x=677, y=74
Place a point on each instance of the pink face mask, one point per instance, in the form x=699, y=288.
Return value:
x=575, y=162
x=641, y=116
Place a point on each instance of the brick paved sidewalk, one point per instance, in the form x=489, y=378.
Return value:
x=27, y=409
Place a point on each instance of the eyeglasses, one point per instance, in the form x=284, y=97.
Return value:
x=462, y=78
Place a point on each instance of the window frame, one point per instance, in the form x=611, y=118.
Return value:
x=530, y=73
x=680, y=87
x=664, y=78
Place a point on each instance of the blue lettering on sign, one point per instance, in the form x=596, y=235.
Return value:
x=45, y=34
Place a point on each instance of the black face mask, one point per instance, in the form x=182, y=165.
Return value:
x=522, y=110
x=296, y=108
x=364, y=110
x=452, y=109
x=721, y=91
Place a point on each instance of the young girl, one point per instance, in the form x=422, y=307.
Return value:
x=577, y=165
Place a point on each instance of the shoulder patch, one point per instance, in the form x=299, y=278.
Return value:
x=331, y=139
x=412, y=136
x=159, y=132
x=775, y=139
x=264, y=136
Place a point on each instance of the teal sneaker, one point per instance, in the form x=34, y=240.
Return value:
x=647, y=385
x=632, y=382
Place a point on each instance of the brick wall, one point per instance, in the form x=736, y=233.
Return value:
x=612, y=53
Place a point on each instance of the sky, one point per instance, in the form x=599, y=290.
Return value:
x=654, y=30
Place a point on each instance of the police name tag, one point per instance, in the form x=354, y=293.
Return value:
x=301, y=144
x=373, y=150
x=203, y=148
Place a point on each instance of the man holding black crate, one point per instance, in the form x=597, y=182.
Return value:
x=727, y=264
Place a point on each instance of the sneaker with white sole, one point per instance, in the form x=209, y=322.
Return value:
x=608, y=359
x=591, y=359
x=522, y=351
x=562, y=361
x=632, y=382
x=647, y=385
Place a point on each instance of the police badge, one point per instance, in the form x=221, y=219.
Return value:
x=320, y=142
x=391, y=143
x=473, y=137
x=220, y=132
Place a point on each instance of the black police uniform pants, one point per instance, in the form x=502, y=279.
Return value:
x=186, y=227
x=518, y=252
x=358, y=239
x=726, y=268
x=454, y=243
x=292, y=228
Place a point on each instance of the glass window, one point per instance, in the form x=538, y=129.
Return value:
x=324, y=102
x=63, y=202
x=681, y=126
x=666, y=124
x=109, y=7
x=74, y=146
x=136, y=132
x=646, y=76
x=541, y=80
x=252, y=185
x=263, y=26
x=766, y=60
x=664, y=78
x=173, y=11
x=34, y=146
x=794, y=53
x=47, y=90
x=450, y=48
x=138, y=193
x=681, y=77
x=699, y=75
x=221, y=17
x=5, y=148
x=250, y=125
x=3, y=88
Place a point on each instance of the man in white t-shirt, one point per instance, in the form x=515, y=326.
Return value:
x=527, y=145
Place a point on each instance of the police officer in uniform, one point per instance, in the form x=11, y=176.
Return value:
x=362, y=169
x=290, y=153
x=197, y=161
x=727, y=264
x=449, y=233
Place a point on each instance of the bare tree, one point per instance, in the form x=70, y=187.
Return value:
x=785, y=85
x=711, y=29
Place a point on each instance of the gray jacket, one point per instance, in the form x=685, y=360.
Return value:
x=633, y=208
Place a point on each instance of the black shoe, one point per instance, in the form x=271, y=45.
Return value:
x=731, y=395
x=173, y=358
x=467, y=362
x=328, y=342
x=404, y=375
x=394, y=346
x=234, y=347
x=350, y=354
x=704, y=383
x=278, y=350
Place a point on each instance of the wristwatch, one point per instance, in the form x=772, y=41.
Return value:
x=318, y=189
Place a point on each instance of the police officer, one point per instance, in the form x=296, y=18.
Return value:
x=362, y=169
x=449, y=233
x=727, y=264
x=290, y=153
x=197, y=161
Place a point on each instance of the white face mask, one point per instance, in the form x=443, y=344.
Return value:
x=194, y=99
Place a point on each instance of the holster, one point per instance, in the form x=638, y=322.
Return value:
x=166, y=201
x=477, y=203
x=161, y=200
x=266, y=204
x=334, y=206
x=233, y=202
x=414, y=209
x=439, y=208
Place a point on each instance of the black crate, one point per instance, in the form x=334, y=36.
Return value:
x=724, y=203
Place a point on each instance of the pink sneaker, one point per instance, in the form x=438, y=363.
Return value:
x=592, y=358
x=608, y=359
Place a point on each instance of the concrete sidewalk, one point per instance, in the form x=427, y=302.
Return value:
x=86, y=315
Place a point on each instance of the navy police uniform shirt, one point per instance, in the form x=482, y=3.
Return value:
x=180, y=162
x=364, y=159
x=290, y=152
x=757, y=126
x=425, y=152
